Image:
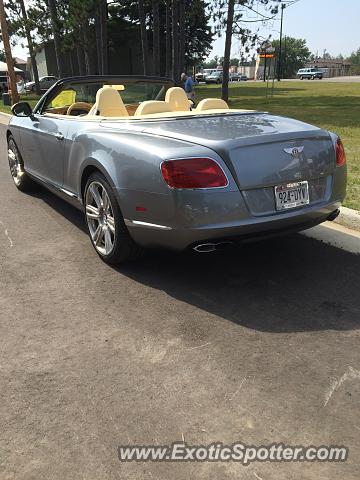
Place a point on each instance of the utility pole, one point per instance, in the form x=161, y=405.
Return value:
x=9, y=60
x=281, y=28
x=31, y=47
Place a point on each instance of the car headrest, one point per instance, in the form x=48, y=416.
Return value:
x=212, y=104
x=152, y=106
x=177, y=99
x=109, y=103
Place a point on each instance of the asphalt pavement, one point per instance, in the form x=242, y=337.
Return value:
x=258, y=345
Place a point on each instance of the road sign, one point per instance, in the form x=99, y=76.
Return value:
x=267, y=55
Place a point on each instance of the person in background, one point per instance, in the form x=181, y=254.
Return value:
x=188, y=85
x=20, y=84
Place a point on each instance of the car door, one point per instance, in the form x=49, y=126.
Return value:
x=42, y=147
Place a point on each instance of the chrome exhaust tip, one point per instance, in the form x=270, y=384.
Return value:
x=205, y=247
x=211, y=247
x=333, y=215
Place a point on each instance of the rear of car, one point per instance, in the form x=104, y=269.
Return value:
x=240, y=177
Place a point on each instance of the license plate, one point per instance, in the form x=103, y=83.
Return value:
x=291, y=195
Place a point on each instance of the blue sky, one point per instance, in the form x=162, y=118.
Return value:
x=325, y=24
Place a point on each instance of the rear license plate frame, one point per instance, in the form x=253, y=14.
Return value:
x=291, y=195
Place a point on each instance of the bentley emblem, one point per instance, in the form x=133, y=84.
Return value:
x=294, y=151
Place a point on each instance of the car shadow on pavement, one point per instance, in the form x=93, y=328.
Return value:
x=71, y=213
x=289, y=284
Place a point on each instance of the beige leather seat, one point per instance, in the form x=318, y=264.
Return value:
x=109, y=104
x=152, y=106
x=177, y=99
x=212, y=104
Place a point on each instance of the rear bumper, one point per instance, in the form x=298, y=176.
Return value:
x=254, y=228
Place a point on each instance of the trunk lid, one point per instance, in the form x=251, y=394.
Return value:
x=259, y=150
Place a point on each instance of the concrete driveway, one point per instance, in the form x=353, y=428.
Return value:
x=260, y=345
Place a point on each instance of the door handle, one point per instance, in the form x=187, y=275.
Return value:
x=59, y=136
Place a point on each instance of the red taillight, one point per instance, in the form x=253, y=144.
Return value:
x=340, y=153
x=193, y=173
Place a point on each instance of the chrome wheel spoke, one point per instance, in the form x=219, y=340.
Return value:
x=108, y=242
x=92, y=212
x=105, y=200
x=111, y=224
x=95, y=194
x=98, y=235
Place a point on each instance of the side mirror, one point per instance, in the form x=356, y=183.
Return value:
x=22, y=109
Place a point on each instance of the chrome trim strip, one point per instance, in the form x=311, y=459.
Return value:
x=138, y=223
x=68, y=193
x=51, y=185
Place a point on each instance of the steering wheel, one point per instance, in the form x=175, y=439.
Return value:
x=77, y=107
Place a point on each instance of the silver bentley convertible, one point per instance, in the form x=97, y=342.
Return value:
x=150, y=170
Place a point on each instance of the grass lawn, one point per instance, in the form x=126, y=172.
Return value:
x=330, y=105
x=28, y=97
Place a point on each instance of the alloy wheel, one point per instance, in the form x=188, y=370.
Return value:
x=100, y=218
x=14, y=163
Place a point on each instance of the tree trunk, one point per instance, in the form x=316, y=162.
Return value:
x=182, y=36
x=86, y=51
x=104, y=37
x=80, y=59
x=156, y=37
x=168, y=39
x=227, y=51
x=71, y=61
x=144, y=39
x=97, y=25
x=175, y=42
x=57, y=40
x=9, y=60
x=30, y=47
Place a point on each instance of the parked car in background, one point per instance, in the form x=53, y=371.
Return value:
x=45, y=83
x=200, y=76
x=234, y=77
x=3, y=84
x=215, y=77
x=237, y=77
x=310, y=74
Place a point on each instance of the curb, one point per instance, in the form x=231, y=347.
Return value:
x=4, y=118
x=349, y=218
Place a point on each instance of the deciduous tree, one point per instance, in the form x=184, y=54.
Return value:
x=295, y=53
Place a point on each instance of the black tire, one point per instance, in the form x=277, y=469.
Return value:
x=16, y=165
x=301, y=78
x=123, y=246
x=218, y=81
x=33, y=89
